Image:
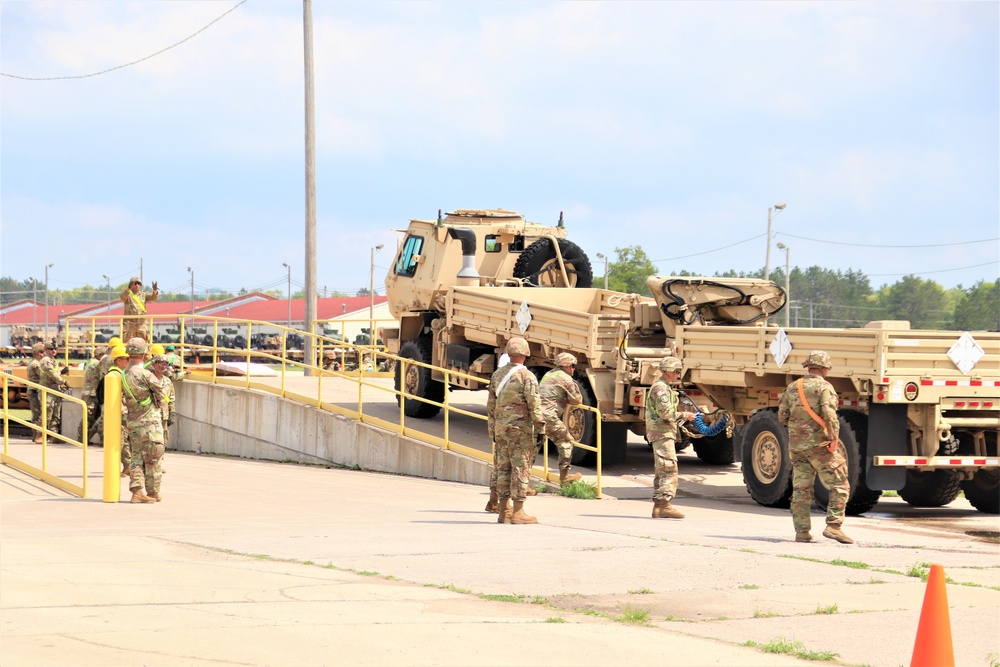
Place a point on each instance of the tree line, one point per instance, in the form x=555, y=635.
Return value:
x=827, y=298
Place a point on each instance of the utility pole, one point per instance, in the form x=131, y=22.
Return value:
x=310, y=277
x=47, y=267
x=780, y=206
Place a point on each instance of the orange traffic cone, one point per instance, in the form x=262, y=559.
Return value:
x=933, y=646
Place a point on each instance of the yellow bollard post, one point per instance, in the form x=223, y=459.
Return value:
x=112, y=436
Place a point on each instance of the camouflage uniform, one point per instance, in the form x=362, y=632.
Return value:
x=514, y=416
x=143, y=395
x=91, y=376
x=807, y=450
x=169, y=409
x=662, y=416
x=34, y=396
x=51, y=379
x=558, y=390
x=126, y=448
x=134, y=322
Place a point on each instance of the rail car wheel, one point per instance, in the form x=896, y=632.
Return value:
x=539, y=266
x=767, y=470
x=417, y=381
x=581, y=426
x=853, y=432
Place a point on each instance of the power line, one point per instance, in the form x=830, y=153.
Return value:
x=920, y=273
x=875, y=245
x=706, y=252
x=134, y=62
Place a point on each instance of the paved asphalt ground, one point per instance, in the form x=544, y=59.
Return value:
x=254, y=563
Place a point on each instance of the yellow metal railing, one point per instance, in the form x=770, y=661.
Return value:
x=326, y=350
x=43, y=473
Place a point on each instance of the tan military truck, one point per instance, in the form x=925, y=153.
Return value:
x=462, y=285
x=920, y=410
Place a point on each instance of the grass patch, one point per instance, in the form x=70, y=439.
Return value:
x=555, y=619
x=675, y=619
x=854, y=564
x=633, y=616
x=514, y=597
x=592, y=612
x=368, y=573
x=828, y=609
x=749, y=587
x=455, y=589
x=921, y=570
x=640, y=591
x=795, y=648
x=579, y=489
x=890, y=493
x=757, y=613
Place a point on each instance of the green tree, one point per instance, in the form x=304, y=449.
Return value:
x=922, y=302
x=628, y=273
x=978, y=307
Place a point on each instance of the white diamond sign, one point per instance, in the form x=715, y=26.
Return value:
x=965, y=353
x=780, y=347
x=523, y=317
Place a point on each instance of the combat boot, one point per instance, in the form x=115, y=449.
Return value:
x=530, y=491
x=503, y=509
x=139, y=496
x=834, y=532
x=803, y=536
x=491, y=504
x=155, y=496
x=37, y=437
x=657, y=505
x=566, y=478
x=519, y=517
x=667, y=511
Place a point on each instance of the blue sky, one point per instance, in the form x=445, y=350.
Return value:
x=669, y=125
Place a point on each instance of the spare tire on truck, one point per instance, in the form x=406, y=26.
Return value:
x=539, y=266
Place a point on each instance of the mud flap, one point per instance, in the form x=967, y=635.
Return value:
x=886, y=437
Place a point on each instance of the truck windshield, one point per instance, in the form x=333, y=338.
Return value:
x=406, y=265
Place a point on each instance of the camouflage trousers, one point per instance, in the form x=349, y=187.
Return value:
x=515, y=452
x=493, y=470
x=145, y=439
x=557, y=432
x=35, y=399
x=664, y=469
x=832, y=470
x=134, y=328
x=93, y=410
x=53, y=413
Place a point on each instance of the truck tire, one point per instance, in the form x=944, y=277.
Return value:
x=614, y=435
x=418, y=380
x=717, y=450
x=767, y=471
x=853, y=431
x=983, y=490
x=930, y=488
x=538, y=266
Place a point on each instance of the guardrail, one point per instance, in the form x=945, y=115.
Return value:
x=365, y=359
x=43, y=473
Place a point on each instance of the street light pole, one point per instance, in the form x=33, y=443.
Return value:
x=287, y=266
x=788, y=293
x=192, y=289
x=604, y=257
x=780, y=206
x=47, y=267
x=371, y=294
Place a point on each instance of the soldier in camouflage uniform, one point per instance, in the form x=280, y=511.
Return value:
x=558, y=390
x=514, y=414
x=143, y=396
x=662, y=425
x=91, y=377
x=120, y=363
x=159, y=369
x=103, y=366
x=134, y=322
x=812, y=449
x=52, y=379
x=34, y=395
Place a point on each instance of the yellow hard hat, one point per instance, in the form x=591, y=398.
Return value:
x=118, y=351
x=156, y=349
x=115, y=340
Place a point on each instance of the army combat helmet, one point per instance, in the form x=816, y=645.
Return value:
x=817, y=359
x=565, y=359
x=670, y=364
x=136, y=347
x=518, y=347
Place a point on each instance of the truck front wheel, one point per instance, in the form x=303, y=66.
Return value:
x=767, y=471
x=581, y=425
x=416, y=381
